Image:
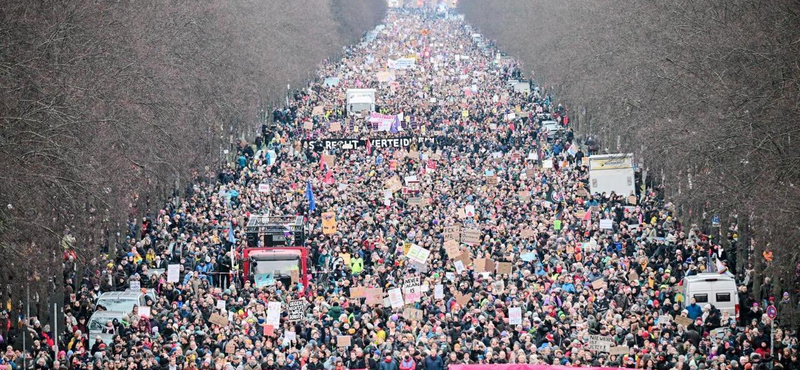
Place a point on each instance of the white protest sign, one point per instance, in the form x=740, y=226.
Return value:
x=418, y=254
x=438, y=291
x=144, y=311
x=606, y=224
x=515, y=316
x=173, y=273
x=396, y=298
x=600, y=343
x=136, y=285
x=263, y=188
x=274, y=314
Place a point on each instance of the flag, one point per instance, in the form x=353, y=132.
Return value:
x=329, y=177
x=322, y=161
x=231, y=236
x=312, y=205
x=369, y=147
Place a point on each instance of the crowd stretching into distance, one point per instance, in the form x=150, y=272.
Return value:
x=536, y=285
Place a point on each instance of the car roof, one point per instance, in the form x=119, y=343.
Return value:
x=112, y=314
x=709, y=275
x=121, y=295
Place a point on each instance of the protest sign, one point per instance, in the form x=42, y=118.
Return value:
x=462, y=299
x=682, y=320
x=308, y=125
x=459, y=265
x=374, y=296
x=484, y=265
x=297, y=309
x=135, y=285
x=335, y=127
x=471, y=236
x=618, y=350
x=274, y=313
x=438, y=291
x=318, y=111
x=452, y=249
x=418, y=254
x=230, y=348
x=343, y=340
x=504, y=268
x=220, y=304
x=144, y=311
x=396, y=298
x=606, y=224
x=328, y=223
x=412, y=314
x=600, y=343
x=263, y=188
x=515, y=316
x=598, y=284
x=218, y=319
x=328, y=159
x=358, y=292
x=173, y=273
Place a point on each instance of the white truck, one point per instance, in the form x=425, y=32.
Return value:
x=359, y=100
x=713, y=288
x=612, y=172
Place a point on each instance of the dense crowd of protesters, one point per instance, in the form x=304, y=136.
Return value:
x=527, y=187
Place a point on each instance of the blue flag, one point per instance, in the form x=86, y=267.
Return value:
x=310, y=195
x=231, y=236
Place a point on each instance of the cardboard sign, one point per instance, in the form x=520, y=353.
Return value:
x=504, y=268
x=471, y=236
x=524, y=195
x=515, y=315
x=527, y=233
x=374, y=296
x=297, y=309
x=452, y=249
x=343, y=340
x=412, y=314
x=358, y=292
x=218, y=319
x=318, y=111
x=416, y=201
x=619, y=350
x=329, y=223
x=328, y=159
x=681, y=320
x=335, y=127
x=393, y=184
x=598, y=284
x=484, y=265
x=464, y=258
x=230, y=348
x=308, y=125
x=463, y=299
x=492, y=180
x=633, y=276
x=632, y=199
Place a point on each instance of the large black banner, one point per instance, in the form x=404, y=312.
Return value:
x=404, y=142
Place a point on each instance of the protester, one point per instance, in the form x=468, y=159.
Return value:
x=487, y=168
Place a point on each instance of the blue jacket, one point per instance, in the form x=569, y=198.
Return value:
x=432, y=363
x=694, y=311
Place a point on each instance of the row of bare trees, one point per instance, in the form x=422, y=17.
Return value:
x=705, y=92
x=106, y=106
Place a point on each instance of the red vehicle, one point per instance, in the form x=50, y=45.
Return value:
x=275, y=248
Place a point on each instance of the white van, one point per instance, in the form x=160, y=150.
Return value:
x=716, y=289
